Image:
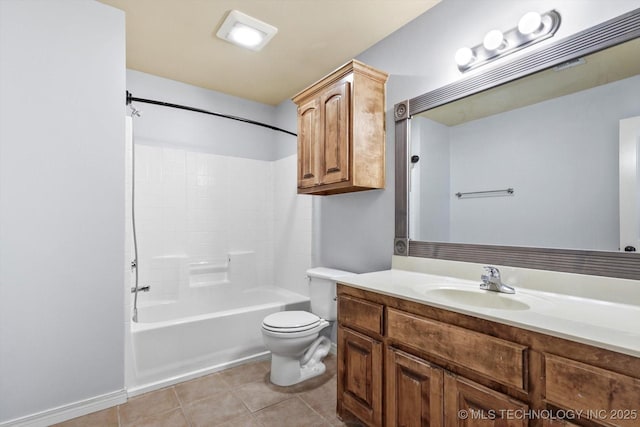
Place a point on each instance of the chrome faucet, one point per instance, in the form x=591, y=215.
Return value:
x=134, y=290
x=492, y=281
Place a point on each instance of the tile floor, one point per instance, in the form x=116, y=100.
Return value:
x=238, y=397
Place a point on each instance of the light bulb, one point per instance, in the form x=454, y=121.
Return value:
x=464, y=56
x=529, y=23
x=245, y=35
x=493, y=40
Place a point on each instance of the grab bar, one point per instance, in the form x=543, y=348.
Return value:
x=507, y=192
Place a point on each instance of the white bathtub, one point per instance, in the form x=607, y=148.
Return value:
x=208, y=330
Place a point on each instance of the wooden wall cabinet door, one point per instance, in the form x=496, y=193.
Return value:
x=334, y=119
x=341, y=131
x=467, y=404
x=360, y=376
x=308, y=143
x=414, y=391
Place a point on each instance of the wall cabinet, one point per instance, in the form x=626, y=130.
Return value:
x=341, y=131
x=445, y=369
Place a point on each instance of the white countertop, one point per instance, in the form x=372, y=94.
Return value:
x=611, y=325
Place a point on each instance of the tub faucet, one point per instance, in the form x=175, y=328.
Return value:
x=134, y=290
x=492, y=281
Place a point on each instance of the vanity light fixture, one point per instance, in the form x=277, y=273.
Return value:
x=245, y=31
x=494, y=40
x=532, y=28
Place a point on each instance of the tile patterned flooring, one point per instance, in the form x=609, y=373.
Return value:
x=236, y=397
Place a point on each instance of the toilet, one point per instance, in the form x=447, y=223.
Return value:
x=293, y=337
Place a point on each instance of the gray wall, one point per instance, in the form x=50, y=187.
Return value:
x=560, y=156
x=62, y=80
x=204, y=133
x=356, y=230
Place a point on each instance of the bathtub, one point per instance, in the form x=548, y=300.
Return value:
x=209, y=329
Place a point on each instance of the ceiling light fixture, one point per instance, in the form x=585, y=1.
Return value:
x=532, y=28
x=245, y=31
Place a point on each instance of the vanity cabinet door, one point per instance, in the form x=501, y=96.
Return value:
x=360, y=376
x=467, y=404
x=413, y=391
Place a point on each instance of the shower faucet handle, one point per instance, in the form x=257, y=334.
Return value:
x=135, y=289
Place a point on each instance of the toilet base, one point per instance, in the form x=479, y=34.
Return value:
x=286, y=371
x=289, y=372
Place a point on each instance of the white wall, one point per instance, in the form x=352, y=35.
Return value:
x=356, y=230
x=61, y=179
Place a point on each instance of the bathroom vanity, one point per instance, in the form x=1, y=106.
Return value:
x=417, y=349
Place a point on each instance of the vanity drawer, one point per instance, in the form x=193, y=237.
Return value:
x=608, y=397
x=495, y=358
x=360, y=314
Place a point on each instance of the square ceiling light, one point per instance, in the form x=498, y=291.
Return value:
x=245, y=31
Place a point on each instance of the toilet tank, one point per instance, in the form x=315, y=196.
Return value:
x=322, y=291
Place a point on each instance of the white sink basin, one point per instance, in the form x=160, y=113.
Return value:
x=477, y=298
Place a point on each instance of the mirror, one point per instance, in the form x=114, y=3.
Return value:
x=530, y=163
x=520, y=164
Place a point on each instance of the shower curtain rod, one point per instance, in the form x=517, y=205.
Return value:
x=131, y=98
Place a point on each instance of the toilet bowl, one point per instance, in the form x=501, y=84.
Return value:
x=293, y=337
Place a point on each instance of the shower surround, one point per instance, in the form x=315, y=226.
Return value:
x=192, y=209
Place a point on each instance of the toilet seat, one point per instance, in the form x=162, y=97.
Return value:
x=291, y=322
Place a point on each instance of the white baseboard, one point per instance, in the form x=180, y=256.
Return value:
x=67, y=412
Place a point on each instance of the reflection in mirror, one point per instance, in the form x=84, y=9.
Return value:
x=552, y=137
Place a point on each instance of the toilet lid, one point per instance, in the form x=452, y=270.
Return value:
x=290, y=321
